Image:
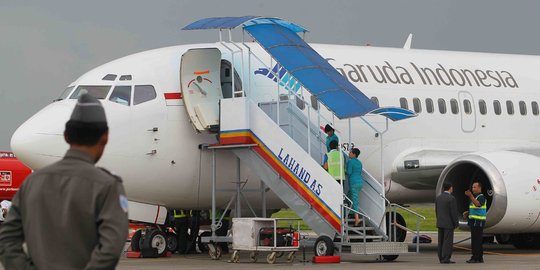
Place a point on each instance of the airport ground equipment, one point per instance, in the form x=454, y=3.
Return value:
x=262, y=235
x=281, y=141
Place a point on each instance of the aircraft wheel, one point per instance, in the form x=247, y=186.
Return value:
x=172, y=241
x=503, y=239
x=526, y=240
x=253, y=256
x=156, y=239
x=390, y=258
x=324, y=246
x=271, y=258
x=136, y=241
x=401, y=234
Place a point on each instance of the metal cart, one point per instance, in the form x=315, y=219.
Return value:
x=263, y=235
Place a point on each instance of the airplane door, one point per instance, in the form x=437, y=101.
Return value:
x=200, y=84
x=468, y=112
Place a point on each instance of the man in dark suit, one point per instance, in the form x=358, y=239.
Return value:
x=447, y=221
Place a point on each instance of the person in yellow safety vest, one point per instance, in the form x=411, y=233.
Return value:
x=181, y=223
x=476, y=220
x=335, y=162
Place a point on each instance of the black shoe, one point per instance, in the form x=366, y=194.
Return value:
x=473, y=261
x=448, y=262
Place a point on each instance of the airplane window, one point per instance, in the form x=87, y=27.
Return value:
x=403, y=103
x=522, y=108
x=125, y=78
x=510, y=107
x=454, y=106
x=417, y=105
x=467, y=106
x=497, y=107
x=143, y=93
x=375, y=100
x=534, y=106
x=109, y=77
x=482, y=105
x=121, y=95
x=97, y=91
x=66, y=93
x=442, y=105
x=429, y=105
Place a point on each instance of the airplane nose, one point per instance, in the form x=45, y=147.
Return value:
x=39, y=141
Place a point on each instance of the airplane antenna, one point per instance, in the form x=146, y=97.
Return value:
x=408, y=42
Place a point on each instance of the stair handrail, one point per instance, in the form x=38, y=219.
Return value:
x=251, y=53
x=364, y=216
x=393, y=209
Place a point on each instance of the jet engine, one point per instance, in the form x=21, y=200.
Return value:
x=511, y=184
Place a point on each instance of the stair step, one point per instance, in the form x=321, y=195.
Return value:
x=360, y=230
x=361, y=237
x=375, y=248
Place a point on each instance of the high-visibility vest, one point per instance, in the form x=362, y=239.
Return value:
x=179, y=214
x=336, y=164
x=478, y=212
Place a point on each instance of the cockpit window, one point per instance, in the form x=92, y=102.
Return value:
x=97, y=91
x=66, y=93
x=121, y=95
x=143, y=93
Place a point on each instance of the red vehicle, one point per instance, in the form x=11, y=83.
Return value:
x=12, y=174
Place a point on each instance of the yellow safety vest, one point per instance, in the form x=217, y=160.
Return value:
x=336, y=164
x=179, y=214
x=478, y=213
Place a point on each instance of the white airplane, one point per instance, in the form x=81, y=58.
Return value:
x=476, y=120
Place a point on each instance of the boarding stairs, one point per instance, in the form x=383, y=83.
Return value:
x=287, y=158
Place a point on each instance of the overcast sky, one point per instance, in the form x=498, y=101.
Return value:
x=45, y=45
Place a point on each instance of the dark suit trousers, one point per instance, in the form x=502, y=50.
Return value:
x=446, y=241
x=477, y=234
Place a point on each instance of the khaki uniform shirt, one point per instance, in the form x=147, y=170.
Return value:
x=72, y=215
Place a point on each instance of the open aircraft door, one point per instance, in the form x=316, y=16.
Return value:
x=468, y=112
x=201, y=89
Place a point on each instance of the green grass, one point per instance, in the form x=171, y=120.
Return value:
x=429, y=224
x=427, y=211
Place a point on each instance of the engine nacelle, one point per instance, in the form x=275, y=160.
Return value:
x=510, y=182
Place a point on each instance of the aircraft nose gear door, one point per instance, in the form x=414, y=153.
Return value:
x=201, y=90
x=468, y=115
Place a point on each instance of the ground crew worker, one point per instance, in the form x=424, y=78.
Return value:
x=354, y=176
x=331, y=136
x=71, y=214
x=181, y=223
x=335, y=162
x=476, y=220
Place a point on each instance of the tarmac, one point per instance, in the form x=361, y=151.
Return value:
x=495, y=256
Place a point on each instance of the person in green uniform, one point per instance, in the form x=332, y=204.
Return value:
x=331, y=136
x=354, y=176
x=71, y=214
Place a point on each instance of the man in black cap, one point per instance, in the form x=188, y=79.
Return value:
x=71, y=214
